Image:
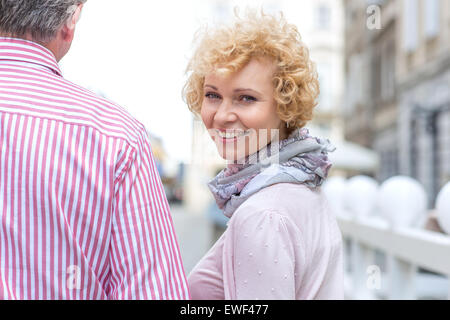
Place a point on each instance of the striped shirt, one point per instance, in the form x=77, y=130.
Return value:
x=82, y=208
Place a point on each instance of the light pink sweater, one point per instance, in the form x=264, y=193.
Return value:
x=282, y=243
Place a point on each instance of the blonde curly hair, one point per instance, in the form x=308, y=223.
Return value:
x=225, y=50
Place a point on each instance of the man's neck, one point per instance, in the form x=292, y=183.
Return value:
x=49, y=45
x=27, y=37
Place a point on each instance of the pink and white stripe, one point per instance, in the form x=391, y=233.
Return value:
x=82, y=208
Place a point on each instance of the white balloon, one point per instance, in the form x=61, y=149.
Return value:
x=333, y=188
x=443, y=208
x=360, y=196
x=402, y=201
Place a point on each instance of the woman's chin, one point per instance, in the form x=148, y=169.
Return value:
x=233, y=156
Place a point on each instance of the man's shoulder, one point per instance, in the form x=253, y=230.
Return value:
x=42, y=94
x=103, y=114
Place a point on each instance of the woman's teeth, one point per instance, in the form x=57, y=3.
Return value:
x=232, y=135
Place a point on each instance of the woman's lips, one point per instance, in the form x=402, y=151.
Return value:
x=228, y=140
x=228, y=136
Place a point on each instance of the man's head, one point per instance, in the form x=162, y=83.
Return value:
x=50, y=23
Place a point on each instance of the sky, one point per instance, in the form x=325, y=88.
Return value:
x=135, y=53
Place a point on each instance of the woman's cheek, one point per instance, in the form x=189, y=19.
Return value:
x=207, y=116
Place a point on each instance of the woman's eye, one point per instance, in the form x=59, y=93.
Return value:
x=247, y=98
x=211, y=95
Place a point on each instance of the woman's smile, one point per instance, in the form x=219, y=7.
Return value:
x=228, y=136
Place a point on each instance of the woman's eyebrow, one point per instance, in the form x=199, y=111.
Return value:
x=245, y=89
x=211, y=86
x=235, y=90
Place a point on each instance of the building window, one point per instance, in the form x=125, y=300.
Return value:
x=389, y=164
x=355, y=83
x=376, y=78
x=410, y=25
x=432, y=17
x=444, y=149
x=325, y=82
x=388, y=72
x=414, y=149
x=323, y=17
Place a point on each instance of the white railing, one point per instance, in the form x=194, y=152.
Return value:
x=385, y=242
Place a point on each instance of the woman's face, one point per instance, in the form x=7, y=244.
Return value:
x=239, y=110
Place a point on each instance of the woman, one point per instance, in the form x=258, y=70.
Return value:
x=255, y=87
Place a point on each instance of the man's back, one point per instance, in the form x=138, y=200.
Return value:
x=83, y=212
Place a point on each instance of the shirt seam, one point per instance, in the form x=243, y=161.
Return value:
x=128, y=141
x=126, y=167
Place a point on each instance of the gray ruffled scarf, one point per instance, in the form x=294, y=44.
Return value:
x=300, y=158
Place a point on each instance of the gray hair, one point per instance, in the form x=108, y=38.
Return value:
x=39, y=18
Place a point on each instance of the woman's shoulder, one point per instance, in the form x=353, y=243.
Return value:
x=298, y=206
x=286, y=190
x=258, y=220
x=285, y=199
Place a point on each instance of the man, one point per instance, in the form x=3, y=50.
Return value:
x=82, y=208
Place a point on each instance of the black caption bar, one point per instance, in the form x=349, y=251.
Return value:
x=235, y=310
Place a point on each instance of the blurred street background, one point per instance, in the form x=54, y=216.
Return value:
x=384, y=71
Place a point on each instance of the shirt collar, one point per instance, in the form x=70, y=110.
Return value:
x=28, y=51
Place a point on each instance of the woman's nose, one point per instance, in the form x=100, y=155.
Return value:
x=225, y=113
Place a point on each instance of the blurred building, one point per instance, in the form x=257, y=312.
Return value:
x=321, y=24
x=205, y=162
x=397, y=86
x=159, y=154
x=423, y=80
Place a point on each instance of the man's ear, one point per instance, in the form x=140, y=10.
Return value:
x=68, y=29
